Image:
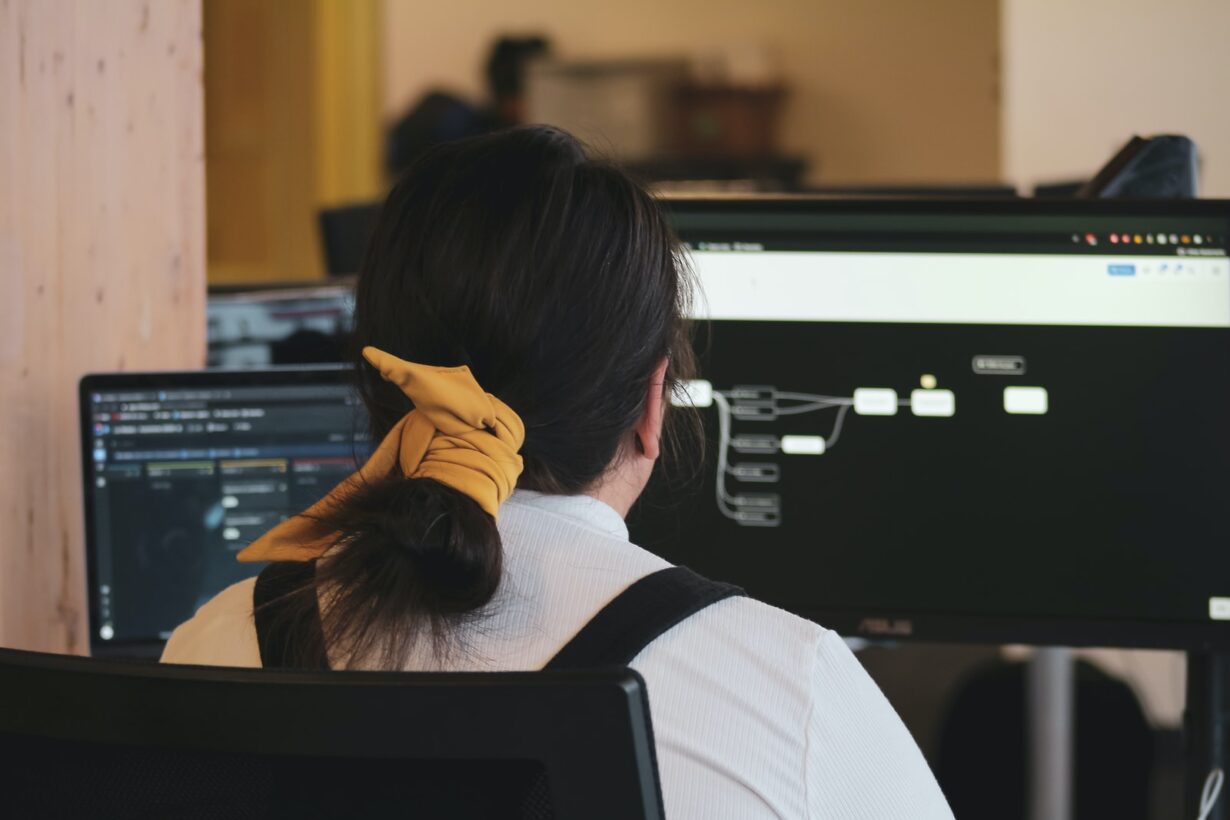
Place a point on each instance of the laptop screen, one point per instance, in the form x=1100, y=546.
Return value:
x=185, y=469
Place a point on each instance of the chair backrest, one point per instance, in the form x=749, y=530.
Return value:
x=92, y=738
x=344, y=232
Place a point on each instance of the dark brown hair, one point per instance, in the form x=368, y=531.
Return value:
x=558, y=280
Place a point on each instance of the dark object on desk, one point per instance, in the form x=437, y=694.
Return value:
x=981, y=757
x=259, y=327
x=727, y=121
x=989, y=191
x=86, y=738
x=1161, y=167
x=1064, y=189
x=344, y=233
x=307, y=347
x=763, y=174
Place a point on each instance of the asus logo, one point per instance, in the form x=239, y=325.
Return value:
x=886, y=626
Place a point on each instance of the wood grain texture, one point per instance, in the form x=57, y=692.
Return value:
x=102, y=261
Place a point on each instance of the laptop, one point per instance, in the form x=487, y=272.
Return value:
x=183, y=470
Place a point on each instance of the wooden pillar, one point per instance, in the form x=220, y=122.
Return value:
x=102, y=261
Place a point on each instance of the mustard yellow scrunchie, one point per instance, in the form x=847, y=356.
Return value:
x=457, y=434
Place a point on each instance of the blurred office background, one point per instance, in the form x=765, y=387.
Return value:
x=315, y=111
x=230, y=126
x=301, y=97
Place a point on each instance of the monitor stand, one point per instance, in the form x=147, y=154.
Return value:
x=1206, y=729
x=1050, y=708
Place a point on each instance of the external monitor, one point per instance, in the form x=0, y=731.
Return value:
x=984, y=421
x=182, y=470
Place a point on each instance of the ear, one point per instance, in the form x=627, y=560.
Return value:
x=648, y=429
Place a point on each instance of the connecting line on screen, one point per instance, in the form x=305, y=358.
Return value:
x=723, y=498
x=764, y=404
x=764, y=509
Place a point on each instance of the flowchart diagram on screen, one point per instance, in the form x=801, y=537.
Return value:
x=742, y=457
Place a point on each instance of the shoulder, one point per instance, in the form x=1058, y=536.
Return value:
x=861, y=761
x=802, y=724
x=743, y=651
x=221, y=633
x=729, y=689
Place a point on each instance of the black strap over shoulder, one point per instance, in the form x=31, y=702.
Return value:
x=618, y=633
x=276, y=634
x=638, y=615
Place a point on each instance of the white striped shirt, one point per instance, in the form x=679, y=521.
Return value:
x=756, y=713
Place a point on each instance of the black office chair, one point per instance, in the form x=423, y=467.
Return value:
x=83, y=738
x=344, y=232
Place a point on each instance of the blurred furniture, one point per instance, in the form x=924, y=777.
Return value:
x=85, y=738
x=727, y=122
x=1062, y=189
x=915, y=191
x=620, y=108
x=1159, y=167
x=982, y=750
x=700, y=175
x=344, y=232
x=904, y=191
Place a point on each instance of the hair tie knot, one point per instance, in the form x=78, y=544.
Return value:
x=457, y=434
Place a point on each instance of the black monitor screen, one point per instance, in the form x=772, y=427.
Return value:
x=982, y=421
x=184, y=470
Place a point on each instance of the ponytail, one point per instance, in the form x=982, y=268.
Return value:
x=415, y=560
x=407, y=546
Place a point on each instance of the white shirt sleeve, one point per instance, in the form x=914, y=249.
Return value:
x=861, y=761
x=222, y=633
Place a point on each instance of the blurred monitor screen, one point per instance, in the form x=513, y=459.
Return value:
x=267, y=327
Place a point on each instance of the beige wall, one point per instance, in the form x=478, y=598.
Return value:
x=884, y=90
x=1081, y=77
x=102, y=261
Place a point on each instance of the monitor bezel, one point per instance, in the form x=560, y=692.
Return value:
x=173, y=380
x=947, y=627
x=821, y=204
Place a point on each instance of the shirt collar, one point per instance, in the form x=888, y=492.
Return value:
x=583, y=509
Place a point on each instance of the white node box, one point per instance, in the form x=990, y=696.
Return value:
x=1026, y=401
x=694, y=393
x=875, y=401
x=803, y=445
x=933, y=403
